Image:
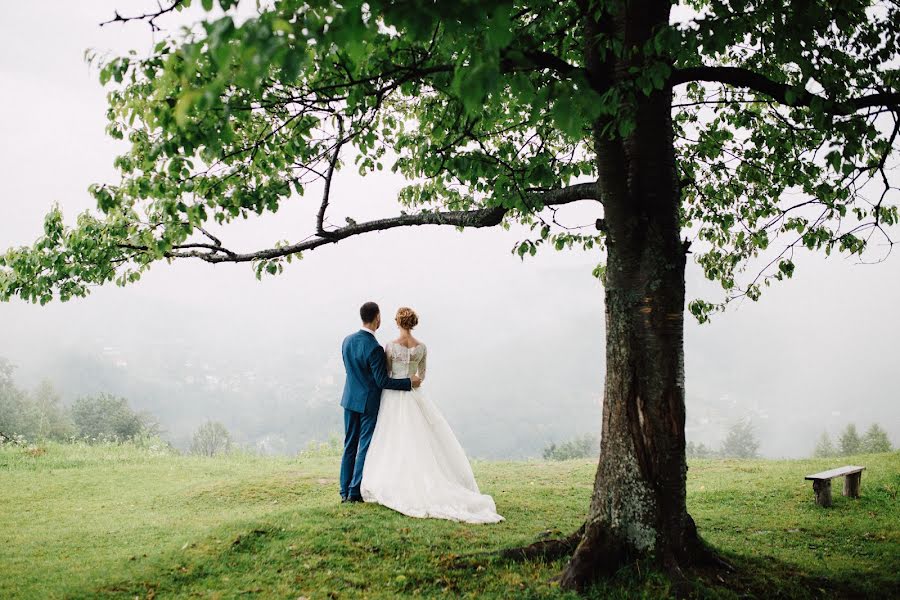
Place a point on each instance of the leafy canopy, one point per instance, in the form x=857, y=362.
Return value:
x=786, y=115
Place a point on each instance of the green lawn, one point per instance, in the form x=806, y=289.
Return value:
x=86, y=522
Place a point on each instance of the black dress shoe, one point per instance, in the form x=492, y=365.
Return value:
x=355, y=499
x=344, y=499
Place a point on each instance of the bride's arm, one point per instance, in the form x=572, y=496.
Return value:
x=422, y=363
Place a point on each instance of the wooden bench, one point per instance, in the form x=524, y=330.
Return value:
x=822, y=483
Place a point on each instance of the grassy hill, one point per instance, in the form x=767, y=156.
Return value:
x=78, y=521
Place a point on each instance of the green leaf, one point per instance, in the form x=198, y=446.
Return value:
x=566, y=117
x=184, y=104
x=473, y=84
x=626, y=126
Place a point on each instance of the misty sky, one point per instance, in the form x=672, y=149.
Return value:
x=813, y=354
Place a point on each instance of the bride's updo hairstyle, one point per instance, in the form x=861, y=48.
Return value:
x=407, y=318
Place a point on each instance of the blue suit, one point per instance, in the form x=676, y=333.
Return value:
x=366, y=369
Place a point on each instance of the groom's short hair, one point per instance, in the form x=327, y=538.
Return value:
x=368, y=312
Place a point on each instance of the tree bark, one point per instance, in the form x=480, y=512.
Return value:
x=638, y=505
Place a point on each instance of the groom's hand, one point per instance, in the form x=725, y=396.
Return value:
x=416, y=381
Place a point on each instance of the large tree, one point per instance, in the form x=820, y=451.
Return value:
x=753, y=127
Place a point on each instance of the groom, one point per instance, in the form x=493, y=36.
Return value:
x=366, y=376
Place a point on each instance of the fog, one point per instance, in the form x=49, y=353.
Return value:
x=516, y=349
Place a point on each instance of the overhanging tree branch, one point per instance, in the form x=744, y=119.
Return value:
x=149, y=17
x=530, y=60
x=476, y=218
x=781, y=92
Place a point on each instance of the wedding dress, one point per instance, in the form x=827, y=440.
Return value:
x=415, y=464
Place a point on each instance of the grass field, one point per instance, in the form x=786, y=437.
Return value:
x=118, y=521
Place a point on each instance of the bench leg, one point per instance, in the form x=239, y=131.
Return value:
x=851, y=485
x=822, y=489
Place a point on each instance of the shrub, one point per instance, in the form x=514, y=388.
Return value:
x=35, y=416
x=333, y=446
x=211, y=439
x=700, y=450
x=107, y=417
x=53, y=422
x=12, y=440
x=18, y=416
x=579, y=447
x=741, y=441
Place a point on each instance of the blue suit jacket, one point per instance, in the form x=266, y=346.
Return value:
x=366, y=374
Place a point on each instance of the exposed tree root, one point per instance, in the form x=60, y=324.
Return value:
x=596, y=555
x=599, y=553
x=681, y=585
x=699, y=554
x=551, y=549
x=704, y=556
x=544, y=549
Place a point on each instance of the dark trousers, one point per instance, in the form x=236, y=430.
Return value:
x=358, y=429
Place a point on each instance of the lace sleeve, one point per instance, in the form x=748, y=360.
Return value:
x=389, y=362
x=422, y=363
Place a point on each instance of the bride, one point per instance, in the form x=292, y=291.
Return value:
x=415, y=464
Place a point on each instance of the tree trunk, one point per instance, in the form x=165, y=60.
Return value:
x=638, y=505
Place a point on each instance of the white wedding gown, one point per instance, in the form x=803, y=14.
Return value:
x=415, y=464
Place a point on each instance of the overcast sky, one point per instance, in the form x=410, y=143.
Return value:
x=814, y=353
